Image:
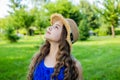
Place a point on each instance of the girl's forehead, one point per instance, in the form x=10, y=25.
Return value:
x=58, y=23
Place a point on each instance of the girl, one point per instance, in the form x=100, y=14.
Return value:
x=54, y=61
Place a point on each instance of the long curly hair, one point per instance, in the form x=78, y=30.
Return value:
x=63, y=58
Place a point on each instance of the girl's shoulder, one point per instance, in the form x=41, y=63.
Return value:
x=78, y=65
x=77, y=61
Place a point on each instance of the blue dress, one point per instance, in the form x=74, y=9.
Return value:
x=42, y=72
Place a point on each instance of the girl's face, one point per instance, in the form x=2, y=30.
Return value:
x=53, y=32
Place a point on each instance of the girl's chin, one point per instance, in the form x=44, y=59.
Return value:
x=47, y=38
x=50, y=40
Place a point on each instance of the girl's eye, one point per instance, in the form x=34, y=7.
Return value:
x=56, y=27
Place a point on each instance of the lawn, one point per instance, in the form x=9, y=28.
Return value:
x=99, y=57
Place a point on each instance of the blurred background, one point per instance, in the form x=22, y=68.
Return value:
x=24, y=22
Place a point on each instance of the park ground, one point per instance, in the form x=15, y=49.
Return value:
x=99, y=57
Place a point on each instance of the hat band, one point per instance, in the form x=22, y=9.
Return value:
x=71, y=37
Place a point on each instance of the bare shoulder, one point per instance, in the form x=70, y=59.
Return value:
x=78, y=65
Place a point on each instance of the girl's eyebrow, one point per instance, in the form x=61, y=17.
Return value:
x=58, y=25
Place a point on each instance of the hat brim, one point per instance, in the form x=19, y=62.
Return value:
x=55, y=17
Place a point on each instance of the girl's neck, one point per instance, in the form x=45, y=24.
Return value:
x=54, y=46
x=50, y=59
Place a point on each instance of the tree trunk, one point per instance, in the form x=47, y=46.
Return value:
x=113, y=31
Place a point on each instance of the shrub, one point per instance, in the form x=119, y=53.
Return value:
x=84, y=30
x=23, y=31
x=103, y=31
x=117, y=31
x=10, y=35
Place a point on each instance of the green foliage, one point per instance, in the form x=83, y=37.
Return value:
x=103, y=31
x=84, y=30
x=64, y=7
x=21, y=18
x=41, y=19
x=110, y=12
x=85, y=14
x=4, y=22
x=93, y=21
x=42, y=22
x=117, y=31
x=23, y=31
x=15, y=5
x=89, y=19
x=28, y=20
x=1, y=36
x=87, y=11
x=10, y=34
x=37, y=32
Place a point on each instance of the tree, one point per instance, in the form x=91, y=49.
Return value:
x=84, y=30
x=88, y=19
x=20, y=17
x=110, y=12
x=88, y=10
x=15, y=5
x=66, y=8
x=41, y=19
x=10, y=34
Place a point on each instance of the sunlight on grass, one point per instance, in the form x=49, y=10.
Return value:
x=11, y=57
x=99, y=57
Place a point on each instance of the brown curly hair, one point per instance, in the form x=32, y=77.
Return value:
x=63, y=58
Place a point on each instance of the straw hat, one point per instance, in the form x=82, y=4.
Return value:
x=70, y=25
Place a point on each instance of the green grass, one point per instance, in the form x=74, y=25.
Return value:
x=15, y=58
x=99, y=57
